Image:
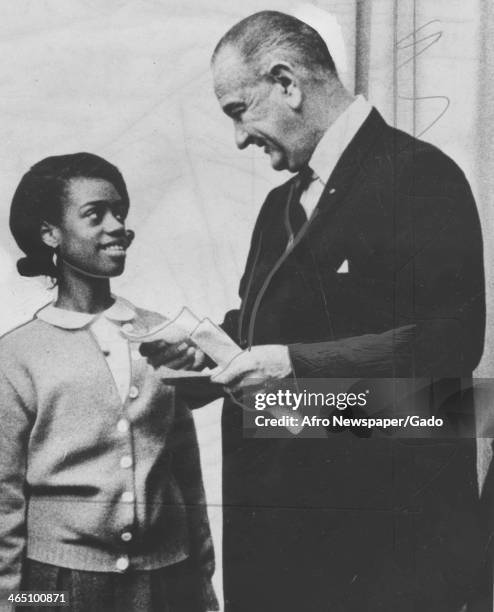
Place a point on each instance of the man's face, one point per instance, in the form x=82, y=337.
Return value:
x=259, y=110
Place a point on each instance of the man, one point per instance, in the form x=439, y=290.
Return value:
x=368, y=263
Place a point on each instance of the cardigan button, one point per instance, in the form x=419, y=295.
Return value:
x=133, y=392
x=127, y=496
x=126, y=462
x=123, y=426
x=126, y=536
x=122, y=564
x=332, y=191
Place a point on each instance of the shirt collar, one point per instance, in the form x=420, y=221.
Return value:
x=121, y=310
x=337, y=137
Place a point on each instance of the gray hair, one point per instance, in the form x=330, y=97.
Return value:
x=269, y=32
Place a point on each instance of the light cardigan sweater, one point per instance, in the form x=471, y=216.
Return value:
x=88, y=482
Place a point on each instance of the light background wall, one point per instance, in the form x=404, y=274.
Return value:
x=129, y=80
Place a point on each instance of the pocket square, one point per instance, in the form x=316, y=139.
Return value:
x=343, y=269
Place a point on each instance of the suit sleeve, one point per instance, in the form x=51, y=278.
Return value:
x=438, y=286
x=15, y=426
x=187, y=470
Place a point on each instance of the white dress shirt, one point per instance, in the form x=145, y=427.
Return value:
x=105, y=327
x=330, y=148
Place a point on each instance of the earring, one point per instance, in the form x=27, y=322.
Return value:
x=130, y=234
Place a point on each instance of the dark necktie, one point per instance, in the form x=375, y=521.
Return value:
x=295, y=216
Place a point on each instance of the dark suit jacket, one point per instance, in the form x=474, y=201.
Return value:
x=346, y=523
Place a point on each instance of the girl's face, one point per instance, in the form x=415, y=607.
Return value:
x=91, y=233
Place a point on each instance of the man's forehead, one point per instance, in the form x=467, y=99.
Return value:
x=230, y=72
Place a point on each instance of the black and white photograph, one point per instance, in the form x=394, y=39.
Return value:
x=246, y=280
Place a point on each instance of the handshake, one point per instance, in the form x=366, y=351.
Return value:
x=181, y=348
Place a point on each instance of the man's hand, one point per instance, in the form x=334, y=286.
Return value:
x=180, y=356
x=257, y=365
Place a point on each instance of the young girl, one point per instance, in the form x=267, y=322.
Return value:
x=101, y=492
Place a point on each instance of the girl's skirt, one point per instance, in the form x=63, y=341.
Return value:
x=169, y=589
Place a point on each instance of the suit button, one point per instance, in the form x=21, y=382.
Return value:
x=332, y=191
x=133, y=392
x=122, y=564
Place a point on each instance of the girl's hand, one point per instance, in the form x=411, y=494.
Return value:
x=179, y=356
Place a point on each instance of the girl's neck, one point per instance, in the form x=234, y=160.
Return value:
x=83, y=293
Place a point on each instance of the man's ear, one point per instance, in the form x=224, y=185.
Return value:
x=283, y=74
x=50, y=235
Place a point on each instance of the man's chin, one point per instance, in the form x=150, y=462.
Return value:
x=278, y=162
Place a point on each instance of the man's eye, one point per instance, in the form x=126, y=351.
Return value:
x=236, y=114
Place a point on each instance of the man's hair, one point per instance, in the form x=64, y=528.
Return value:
x=269, y=32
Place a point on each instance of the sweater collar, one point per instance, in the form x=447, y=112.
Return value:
x=119, y=312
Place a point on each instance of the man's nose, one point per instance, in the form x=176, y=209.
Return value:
x=241, y=136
